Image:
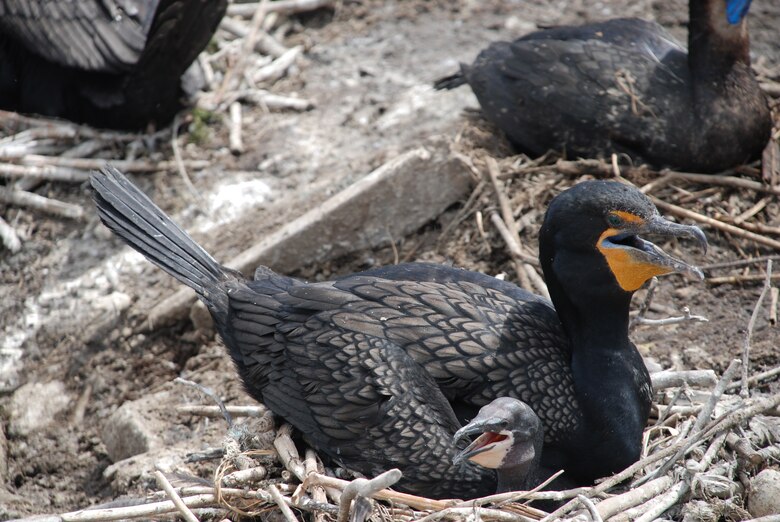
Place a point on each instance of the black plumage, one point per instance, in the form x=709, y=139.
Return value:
x=373, y=367
x=108, y=63
x=627, y=86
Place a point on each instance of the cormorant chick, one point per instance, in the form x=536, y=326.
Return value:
x=626, y=86
x=108, y=63
x=510, y=441
x=373, y=367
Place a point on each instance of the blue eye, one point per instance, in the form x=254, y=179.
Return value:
x=614, y=221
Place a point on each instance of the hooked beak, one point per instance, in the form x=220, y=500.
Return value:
x=633, y=260
x=489, y=432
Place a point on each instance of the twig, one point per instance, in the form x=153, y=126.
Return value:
x=760, y=377
x=9, y=236
x=186, y=513
x=645, y=306
x=265, y=44
x=740, y=262
x=620, y=503
x=365, y=488
x=701, y=420
x=724, y=227
x=180, y=167
x=98, y=163
x=663, y=503
x=734, y=280
x=674, y=379
x=393, y=496
x=276, y=69
x=46, y=172
x=23, y=198
x=588, y=504
x=479, y=513
x=686, y=317
x=774, y=293
x=280, y=501
x=744, y=392
x=216, y=411
x=279, y=6
x=211, y=395
x=726, y=181
x=234, y=138
x=234, y=74
x=288, y=453
x=244, y=476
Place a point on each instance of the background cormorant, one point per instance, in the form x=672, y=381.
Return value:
x=627, y=86
x=108, y=63
x=352, y=362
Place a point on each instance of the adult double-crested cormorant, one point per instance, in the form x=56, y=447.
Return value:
x=370, y=367
x=510, y=441
x=108, y=63
x=627, y=86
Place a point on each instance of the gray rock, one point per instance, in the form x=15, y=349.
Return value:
x=129, y=431
x=34, y=406
x=764, y=496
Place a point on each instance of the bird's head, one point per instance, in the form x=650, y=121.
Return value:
x=593, y=244
x=509, y=434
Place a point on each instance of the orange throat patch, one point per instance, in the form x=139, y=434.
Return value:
x=630, y=273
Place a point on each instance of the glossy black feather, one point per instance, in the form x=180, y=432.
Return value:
x=109, y=63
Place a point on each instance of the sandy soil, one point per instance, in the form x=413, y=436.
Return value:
x=369, y=66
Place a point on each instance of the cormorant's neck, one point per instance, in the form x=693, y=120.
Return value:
x=714, y=45
x=517, y=478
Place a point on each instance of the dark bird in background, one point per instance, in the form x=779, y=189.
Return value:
x=375, y=369
x=627, y=86
x=107, y=63
x=510, y=441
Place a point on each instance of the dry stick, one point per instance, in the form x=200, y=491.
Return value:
x=743, y=391
x=9, y=236
x=686, y=317
x=244, y=476
x=280, y=6
x=673, y=379
x=317, y=492
x=725, y=181
x=462, y=513
x=288, y=453
x=733, y=280
x=759, y=377
x=280, y=501
x=513, y=496
x=265, y=44
x=180, y=167
x=48, y=172
x=653, y=508
x=701, y=420
x=588, y=503
x=186, y=513
x=215, y=411
x=724, y=227
x=774, y=294
x=365, y=488
x=620, y=503
x=208, y=392
x=726, y=422
x=276, y=69
x=740, y=262
x=235, y=73
x=98, y=163
x=23, y=198
x=234, y=139
x=412, y=501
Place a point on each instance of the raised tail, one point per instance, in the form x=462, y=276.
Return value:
x=131, y=215
x=450, y=82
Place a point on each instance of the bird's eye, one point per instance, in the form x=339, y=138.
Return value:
x=614, y=221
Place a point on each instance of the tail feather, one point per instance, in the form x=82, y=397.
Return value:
x=145, y=227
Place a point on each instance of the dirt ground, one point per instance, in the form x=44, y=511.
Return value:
x=369, y=66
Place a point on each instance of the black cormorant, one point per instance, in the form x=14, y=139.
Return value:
x=352, y=363
x=627, y=86
x=107, y=63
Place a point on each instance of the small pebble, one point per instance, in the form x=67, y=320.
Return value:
x=764, y=496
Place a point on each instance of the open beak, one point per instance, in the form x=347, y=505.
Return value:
x=634, y=260
x=489, y=433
